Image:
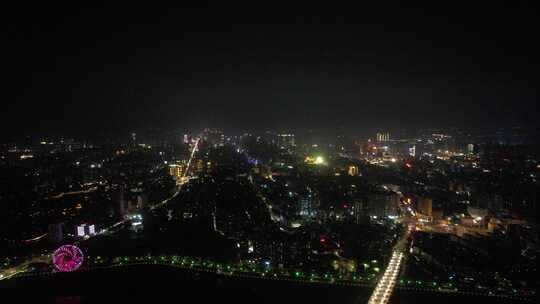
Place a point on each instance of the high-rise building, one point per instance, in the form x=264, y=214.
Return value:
x=276, y=252
x=470, y=148
x=306, y=205
x=209, y=167
x=381, y=137
x=142, y=200
x=199, y=165
x=383, y=204
x=85, y=230
x=425, y=206
x=119, y=198
x=214, y=137
x=360, y=210
x=176, y=171
x=56, y=232
x=286, y=141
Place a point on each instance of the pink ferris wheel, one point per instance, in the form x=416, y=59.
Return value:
x=68, y=258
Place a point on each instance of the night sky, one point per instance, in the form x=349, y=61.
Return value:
x=72, y=70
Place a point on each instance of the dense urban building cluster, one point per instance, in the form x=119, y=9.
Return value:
x=459, y=210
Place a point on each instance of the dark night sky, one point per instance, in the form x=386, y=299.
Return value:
x=116, y=68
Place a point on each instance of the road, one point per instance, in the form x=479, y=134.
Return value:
x=23, y=267
x=190, y=160
x=385, y=286
x=387, y=282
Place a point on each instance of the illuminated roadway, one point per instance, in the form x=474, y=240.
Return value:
x=165, y=201
x=386, y=284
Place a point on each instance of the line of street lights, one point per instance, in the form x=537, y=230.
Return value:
x=386, y=284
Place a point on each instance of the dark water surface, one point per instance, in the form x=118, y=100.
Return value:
x=158, y=284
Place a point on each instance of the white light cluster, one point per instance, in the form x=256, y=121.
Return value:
x=386, y=284
x=80, y=230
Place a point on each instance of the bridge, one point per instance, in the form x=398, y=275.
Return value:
x=382, y=292
x=386, y=284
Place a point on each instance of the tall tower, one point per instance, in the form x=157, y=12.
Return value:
x=120, y=201
x=134, y=139
x=425, y=206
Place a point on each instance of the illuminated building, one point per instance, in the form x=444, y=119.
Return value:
x=209, y=167
x=80, y=230
x=85, y=230
x=136, y=221
x=381, y=137
x=199, y=166
x=306, y=205
x=353, y=170
x=387, y=157
x=470, y=148
x=176, y=171
x=343, y=265
x=368, y=148
x=359, y=210
x=172, y=170
x=425, y=206
x=213, y=137
x=286, y=141
x=412, y=151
